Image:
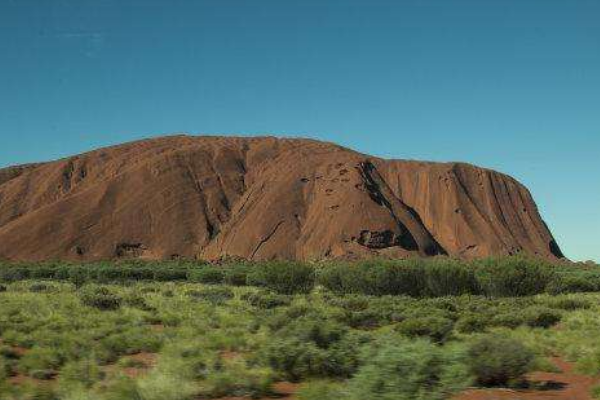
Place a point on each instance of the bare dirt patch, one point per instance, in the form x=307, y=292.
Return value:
x=564, y=385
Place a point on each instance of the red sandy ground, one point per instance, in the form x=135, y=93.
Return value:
x=564, y=385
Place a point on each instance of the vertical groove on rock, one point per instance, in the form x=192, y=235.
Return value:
x=406, y=218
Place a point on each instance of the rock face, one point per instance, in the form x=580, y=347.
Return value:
x=260, y=198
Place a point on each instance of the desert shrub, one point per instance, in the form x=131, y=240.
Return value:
x=295, y=359
x=403, y=369
x=77, y=275
x=375, y=277
x=280, y=318
x=137, y=301
x=498, y=360
x=130, y=341
x=509, y=319
x=4, y=370
x=207, y=275
x=447, y=277
x=434, y=327
x=332, y=277
x=120, y=388
x=448, y=305
x=161, y=384
x=320, y=390
x=39, y=287
x=575, y=283
x=363, y=319
x=42, y=271
x=533, y=316
x=406, y=277
x=343, y=356
x=13, y=273
x=541, y=317
x=595, y=392
x=80, y=373
x=149, y=289
x=266, y=300
x=283, y=277
x=513, y=276
x=317, y=347
x=41, y=391
x=40, y=362
x=320, y=331
x=214, y=295
x=9, y=353
x=237, y=379
x=567, y=303
x=351, y=302
x=236, y=275
x=100, y=297
x=472, y=322
x=588, y=363
x=412, y=277
x=169, y=274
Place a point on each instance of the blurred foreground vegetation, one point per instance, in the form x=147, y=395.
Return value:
x=378, y=330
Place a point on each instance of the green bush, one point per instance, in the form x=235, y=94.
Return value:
x=121, y=388
x=472, y=323
x=208, y=275
x=236, y=275
x=136, y=300
x=130, y=341
x=541, y=317
x=514, y=276
x=317, y=347
x=498, y=360
x=364, y=319
x=375, y=277
x=403, y=369
x=320, y=331
x=448, y=277
x=507, y=276
x=569, y=303
x=267, y=300
x=320, y=390
x=84, y=373
x=295, y=359
x=434, y=327
x=237, y=379
x=215, y=295
x=41, y=362
x=510, y=319
x=575, y=283
x=412, y=277
x=283, y=277
x=39, y=287
x=595, y=392
x=343, y=356
x=100, y=297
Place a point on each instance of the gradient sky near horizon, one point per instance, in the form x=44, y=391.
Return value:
x=512, y=85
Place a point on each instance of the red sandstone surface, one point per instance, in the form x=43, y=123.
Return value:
x=260, y=198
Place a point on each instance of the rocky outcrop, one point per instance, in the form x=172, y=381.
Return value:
x=260, y=198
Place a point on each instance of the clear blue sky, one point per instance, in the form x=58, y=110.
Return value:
x=512, y=85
